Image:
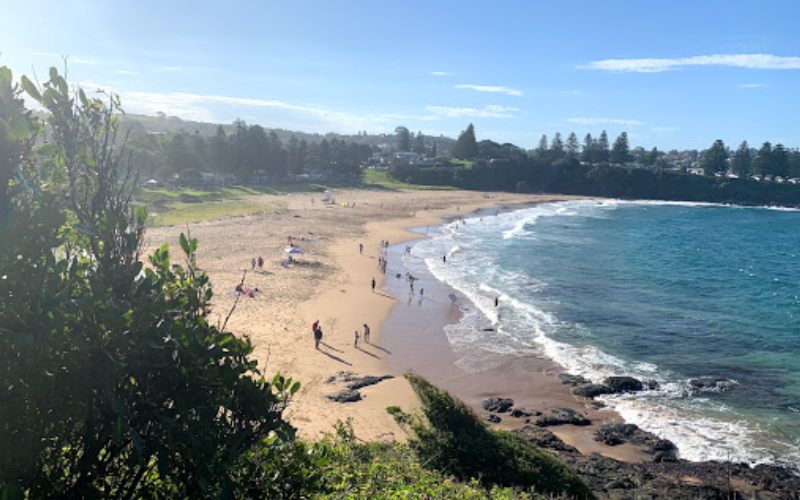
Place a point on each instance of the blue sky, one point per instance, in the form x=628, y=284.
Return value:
x=673, y=74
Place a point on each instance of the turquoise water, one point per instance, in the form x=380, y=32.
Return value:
x=702, y=299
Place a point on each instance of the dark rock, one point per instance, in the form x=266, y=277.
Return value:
x=359, y=383
x=346, y=396
x=494, y=418
x=520, y=413
x=573, y=380
x=561, y=416
x=623, y=384
x=498, y=405
x=591, y=390
x=662, y=450
x=544, y=439
x=618, y=484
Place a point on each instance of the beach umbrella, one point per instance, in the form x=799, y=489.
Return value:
x=293, y=251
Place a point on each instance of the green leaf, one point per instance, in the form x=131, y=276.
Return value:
x=6, y=76
x=49, y=150
x=295, y=388
x=30, y=88
x=184, y=244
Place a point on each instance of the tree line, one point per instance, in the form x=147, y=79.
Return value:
x=591, y=171
x=249, y=152
x=769, y=160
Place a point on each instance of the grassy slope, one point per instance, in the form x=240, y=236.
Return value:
x=183, y=206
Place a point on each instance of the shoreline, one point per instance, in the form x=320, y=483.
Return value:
x=418, y=339
x=330, y=283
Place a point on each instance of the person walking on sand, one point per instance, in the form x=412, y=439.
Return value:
x=260, y=262
x=253, y=263
x=373, y=285
x=355, y=343
x=361, y=248
x=317, y=337
x=366, y=333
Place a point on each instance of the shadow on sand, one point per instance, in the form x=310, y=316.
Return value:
x=379, y=348
x=335, y=358
x=368, y=353
x=331, y=347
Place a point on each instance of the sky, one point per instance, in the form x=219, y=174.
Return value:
x=672, y=74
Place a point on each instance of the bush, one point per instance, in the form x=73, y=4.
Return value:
x=451, y=438
x=114, y=385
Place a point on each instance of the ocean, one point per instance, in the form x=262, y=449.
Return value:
x=702, y=299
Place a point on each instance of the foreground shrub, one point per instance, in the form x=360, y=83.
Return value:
x=112, y=382
x=451, y=438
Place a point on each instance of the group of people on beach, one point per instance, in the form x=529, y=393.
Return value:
x=259, y=261
x=316, y=328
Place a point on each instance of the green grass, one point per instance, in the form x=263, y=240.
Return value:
x=186, y=213
x=382, y=180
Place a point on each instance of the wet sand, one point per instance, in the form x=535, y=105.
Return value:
x=415, y=333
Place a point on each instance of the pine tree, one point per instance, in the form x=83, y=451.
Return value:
x=557, y=148
x=742, y=162
x=466, y=147
x=572, y=146
x=602, y=147
x=620, y=154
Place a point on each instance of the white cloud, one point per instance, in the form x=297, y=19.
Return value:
x=490, y=88
x=173, y=68
x=126, y=72
x=752, y=85
x=441, y=73
x=491, y=111
x=605, y=121
x=206, y=108
x=750, y=61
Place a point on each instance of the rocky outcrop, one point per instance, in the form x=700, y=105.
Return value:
x=497, y=405
x=346, y=396
x=662, y=450
x=350, y=393
x=544, y=439
x=611, y=479
x=590, y=391
x=561, y=416
x=623, y=384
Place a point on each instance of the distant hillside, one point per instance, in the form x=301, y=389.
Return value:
x=164, y=124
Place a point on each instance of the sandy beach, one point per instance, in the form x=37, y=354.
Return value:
x=332, y=283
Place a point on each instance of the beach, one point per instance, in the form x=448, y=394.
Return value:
x=331, y=282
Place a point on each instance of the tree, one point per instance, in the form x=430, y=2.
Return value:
x=220, y=151
x=466, y=147
x=620, y=154
x=572, y=146
x=762, y=164
x=543, y=149
x=115, y=384
x=715, y=159
x=589, y=149
x=602, y=147
x=741, y=161
x=652, y=157
x=403, y=138
x=557, y=148
x=419, y=143
x=780, y=161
